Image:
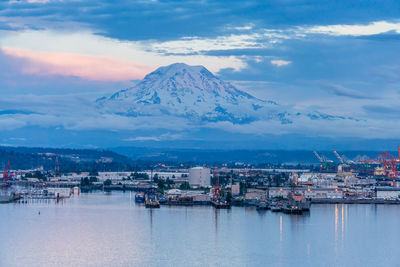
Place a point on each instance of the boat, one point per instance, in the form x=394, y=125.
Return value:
x=263, y=205
x=218, y=204
x=151, y=201
x=298, y=201
x=277, y=206
x=292, y=209
x=9, y=198
x=162, y=200
x=139, y=197
x=151, y=204
x=4, y=184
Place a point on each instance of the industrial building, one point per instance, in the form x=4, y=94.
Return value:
x=199, y=177
x=311, y=193
x=387, y=193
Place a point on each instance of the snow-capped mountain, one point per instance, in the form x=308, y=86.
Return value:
x=191, y=92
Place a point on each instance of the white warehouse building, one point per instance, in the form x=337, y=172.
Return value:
x=199, y=176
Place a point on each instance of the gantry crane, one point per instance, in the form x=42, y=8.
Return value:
x=338, y=156
x=323, y=160
x=5, y=172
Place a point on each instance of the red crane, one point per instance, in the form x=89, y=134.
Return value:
x=389, y=163
x=6, y=169
x=217, y=190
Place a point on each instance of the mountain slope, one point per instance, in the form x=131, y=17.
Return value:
x=191, y=92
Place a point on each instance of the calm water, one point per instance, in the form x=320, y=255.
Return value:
x=110, y=230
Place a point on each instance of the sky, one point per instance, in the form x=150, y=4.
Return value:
x=338, y=57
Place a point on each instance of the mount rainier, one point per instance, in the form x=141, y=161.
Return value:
x=191, y=92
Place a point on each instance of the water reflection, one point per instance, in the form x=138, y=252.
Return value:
x=336, y=221
x=108, y=230
x=340, y=223
x=280, y=229
x=262, y=213
x=216, y=213
x=151, y=223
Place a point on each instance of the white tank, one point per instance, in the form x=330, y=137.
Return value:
x=76, y=190
x=199, y=176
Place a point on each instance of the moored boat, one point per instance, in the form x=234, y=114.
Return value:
x=162, y=200
x=263, y=205
x=277, y=206
x=292, y=209
x=139, y=198
x=298, y=201
x=151, y=200
x=218, y=204
x=9, y=198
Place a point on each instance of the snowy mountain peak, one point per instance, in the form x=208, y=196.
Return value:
x=187, y=91
x=179, y=68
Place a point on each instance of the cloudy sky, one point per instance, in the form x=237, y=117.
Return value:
x=338, y=57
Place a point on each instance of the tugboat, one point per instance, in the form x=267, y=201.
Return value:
x=292, y=209
x=151, y=200
x=151, y=203
x=297, y=203
x=139, y=197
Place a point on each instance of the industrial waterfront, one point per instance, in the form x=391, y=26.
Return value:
x=110, y=229
x=227, y=214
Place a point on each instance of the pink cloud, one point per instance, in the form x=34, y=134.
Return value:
x=99, y=68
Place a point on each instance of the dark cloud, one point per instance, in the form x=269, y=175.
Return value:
x=387, y=36
x=136, y=20
x=346, y=92
x=14, y=111
x=381, y=111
